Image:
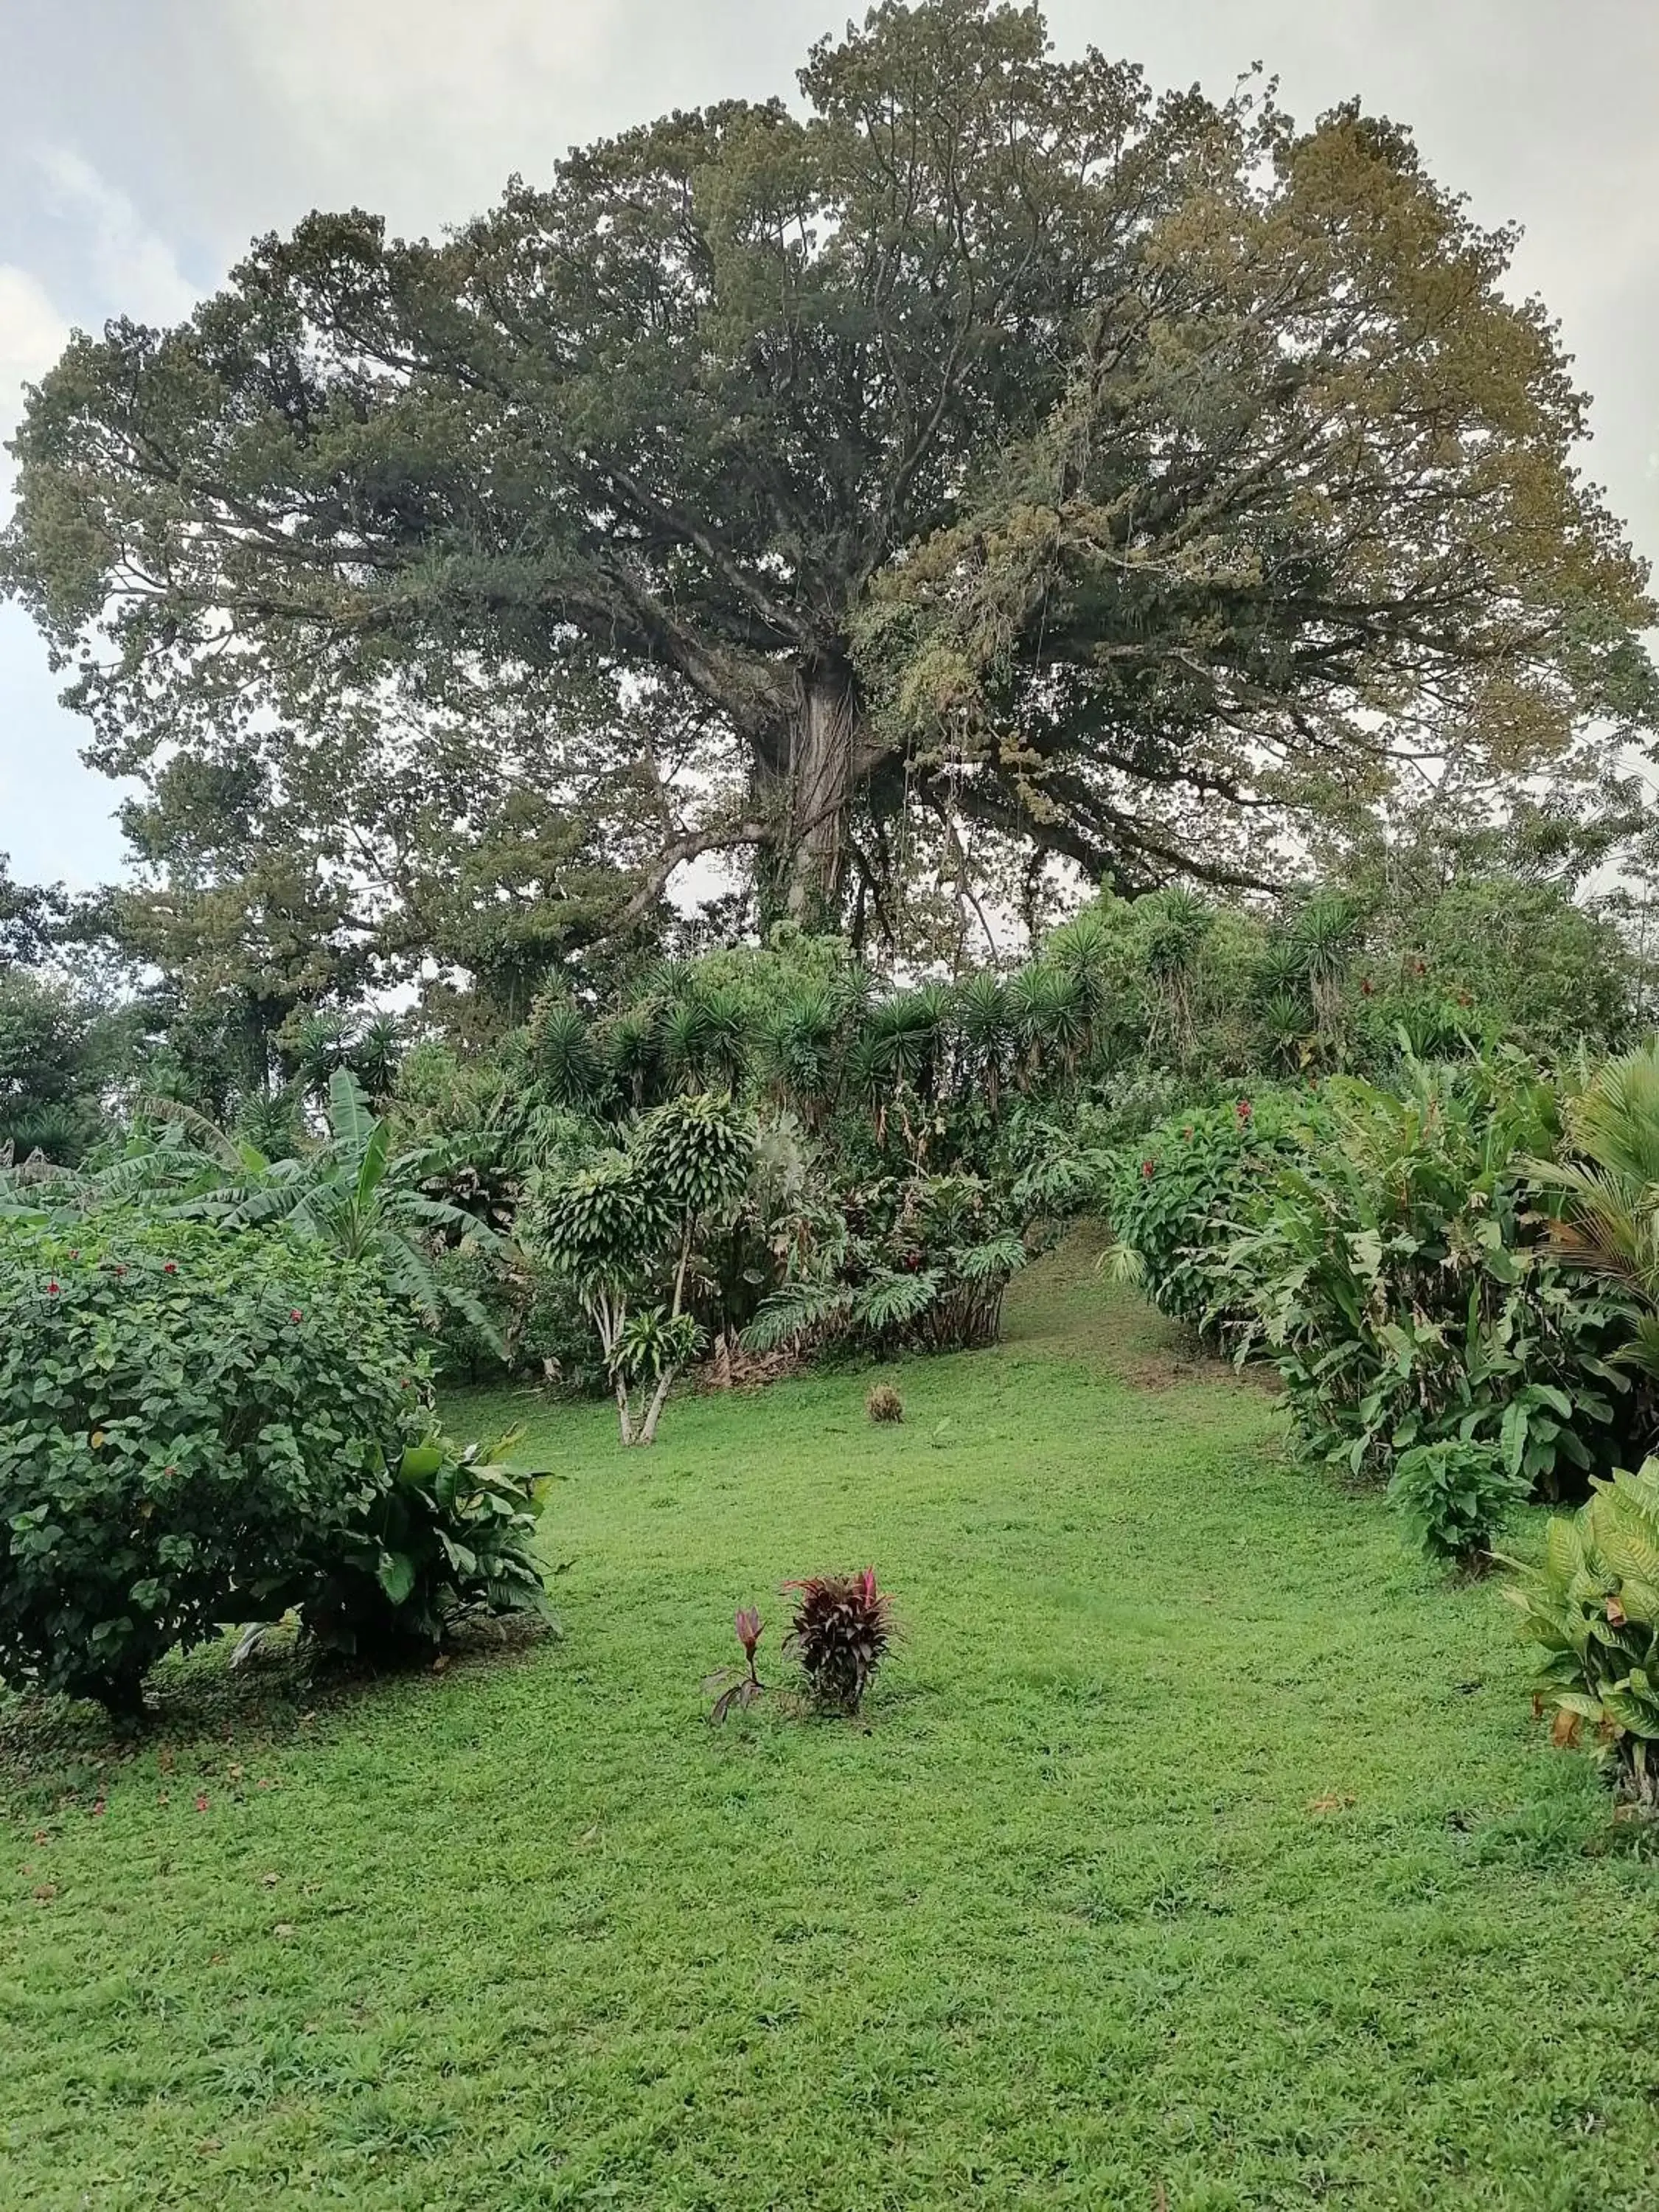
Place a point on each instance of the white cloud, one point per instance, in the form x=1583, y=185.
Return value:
x=422, y=107
x=32, y=335
x=129, y=264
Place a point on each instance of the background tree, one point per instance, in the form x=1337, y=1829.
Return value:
x=990, y=461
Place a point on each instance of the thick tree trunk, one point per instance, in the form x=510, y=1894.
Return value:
x=806, y=773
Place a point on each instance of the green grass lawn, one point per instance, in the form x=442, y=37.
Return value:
x=1200, y=1851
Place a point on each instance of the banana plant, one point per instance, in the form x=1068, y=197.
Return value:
x=355, y=1194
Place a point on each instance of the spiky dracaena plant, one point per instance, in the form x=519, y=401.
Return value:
x=842, y=1630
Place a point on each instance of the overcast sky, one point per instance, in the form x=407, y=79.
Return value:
x=143, y=142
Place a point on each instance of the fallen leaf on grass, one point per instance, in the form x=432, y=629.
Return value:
x=284, y=1929
x=1336, y=1802
x=1564, y=1729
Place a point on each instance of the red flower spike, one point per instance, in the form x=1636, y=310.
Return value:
x=295, y=1314
x=1148, y=1169
x=169, y=1267
x=202, y=1802
x=1244, y=1109
x=51, y=1290
x=749, y=1627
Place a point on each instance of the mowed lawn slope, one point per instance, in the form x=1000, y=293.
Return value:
x=1200, y=1851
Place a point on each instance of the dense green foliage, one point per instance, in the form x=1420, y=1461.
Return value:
x=1593, y=1606
x=449, y=1534
x=1402, y=1284
x=1179, y=1198
x=185, y=1418
x=58, y=1051
x=1390, y=1249
x=200, y=1429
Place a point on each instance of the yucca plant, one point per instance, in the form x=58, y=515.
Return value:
x=376, y=1055
x=843, y=1629
x=1593, y=1607
x=1325, y=936
x=316, y=1048
x=1174, y=926
x=624, y=1228
x=984, y=1022
x=569, y=1069
x=903, y=1034
x=800, y=1051
x=632, y=1045
x=705, y=1038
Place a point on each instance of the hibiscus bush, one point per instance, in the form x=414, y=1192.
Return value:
x=199, y=1427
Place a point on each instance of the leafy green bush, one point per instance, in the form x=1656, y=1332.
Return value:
x=1401, y=1283
x=920, y=1261
x=1454, y=1498
x=1178, y=1198
x=1593, y=1607
x=185, y=1413
x=199, y=1428
x=449, y=1532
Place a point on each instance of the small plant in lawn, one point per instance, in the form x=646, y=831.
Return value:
x=841, y=1632
x=1453, y=1499
x=884, y=1403
x=449, y=1534
x=742, y=1685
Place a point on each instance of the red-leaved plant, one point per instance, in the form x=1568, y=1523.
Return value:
x=843, y=1629
x=742, y=1687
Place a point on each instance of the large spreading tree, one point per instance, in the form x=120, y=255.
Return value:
x=984, y=461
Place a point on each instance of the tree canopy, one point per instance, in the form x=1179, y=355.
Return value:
x=987, y=461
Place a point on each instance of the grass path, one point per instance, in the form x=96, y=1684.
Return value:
x=1200, y=1853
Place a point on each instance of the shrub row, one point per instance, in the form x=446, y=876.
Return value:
x=1396, y=1254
